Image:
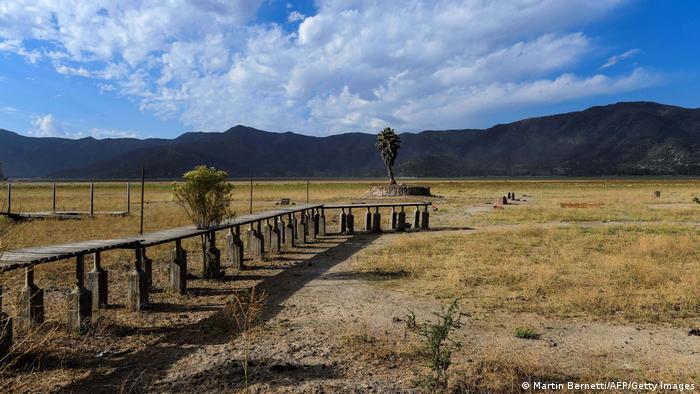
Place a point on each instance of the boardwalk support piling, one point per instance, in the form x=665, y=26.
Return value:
x=79, y=302
x=343, y=221
x=275, y=238
x=377, y=221
x=368, y=220
x=137, y=292
x=97, y=283
x=178, y=269
x=31, y=301
x=211, y=269
x=289, y=231
x=401, y=220
x=416, y=218
x=350, y=220
x=5, y=331
x=393, y=218
x=301, y=229
x=425, y=219
x=147, y=270
x=322, y=223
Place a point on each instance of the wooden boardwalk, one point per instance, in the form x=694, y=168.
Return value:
x=44, y=254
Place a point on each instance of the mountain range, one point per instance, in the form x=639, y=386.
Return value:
x=631, y=138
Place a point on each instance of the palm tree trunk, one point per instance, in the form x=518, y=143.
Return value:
x=392, y=181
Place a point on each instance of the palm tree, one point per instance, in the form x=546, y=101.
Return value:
x=388, y=144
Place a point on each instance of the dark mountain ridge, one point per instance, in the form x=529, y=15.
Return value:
x=636, y=138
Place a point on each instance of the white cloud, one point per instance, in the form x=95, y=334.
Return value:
x=613, y=60
x=8, y=109
x=295, y=16
x=44, y=126
x=352, y=66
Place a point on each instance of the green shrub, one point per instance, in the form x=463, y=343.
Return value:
x=438, y=345
x=526, y=332
x=205, y=195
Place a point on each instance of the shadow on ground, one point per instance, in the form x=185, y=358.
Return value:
x=156, y=359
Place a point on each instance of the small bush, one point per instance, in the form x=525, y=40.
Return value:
x=205, y=195
x=438, y=345
x=526, y=332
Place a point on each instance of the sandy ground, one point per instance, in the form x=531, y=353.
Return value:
x=316, y=308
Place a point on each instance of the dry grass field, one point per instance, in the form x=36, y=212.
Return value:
x=612, y=290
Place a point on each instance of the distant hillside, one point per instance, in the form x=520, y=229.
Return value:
x=638, y=138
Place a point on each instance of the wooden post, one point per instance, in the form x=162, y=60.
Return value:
x=416, y=218
x=128, y=198
x=250, y=210
x=92, y=199
x=393, y=218
x=79, y=301
x=9, y=197
x=143, y=186
x=53, y=199
x=147, y=265
x=307, y=191
x=322, y=222
x=368, y=220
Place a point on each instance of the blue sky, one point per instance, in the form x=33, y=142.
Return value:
x=140, y=68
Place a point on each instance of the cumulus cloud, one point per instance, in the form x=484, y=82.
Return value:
x=44, y=126
x=351, y=66
x=613, y=60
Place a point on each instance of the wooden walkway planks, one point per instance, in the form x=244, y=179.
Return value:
x=44, y=254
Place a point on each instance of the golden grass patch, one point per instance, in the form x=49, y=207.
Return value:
x=636, y=273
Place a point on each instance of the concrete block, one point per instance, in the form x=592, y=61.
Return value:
x=401, y=221
x=178, y=269
x=31, y=302
x=79, y=311
x=377, y=222
x=275, y=240
x=322, y=224
x=211, y=267
x=137, y=291
x=343, y=222
x=350, y=223
x=5, y=330
x=97, y=283
x=300, y=232
x=289, y=233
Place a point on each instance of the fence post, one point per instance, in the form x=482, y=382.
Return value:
x=92, y=199
x=53, y=199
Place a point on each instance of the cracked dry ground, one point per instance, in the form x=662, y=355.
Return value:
x=328, y=328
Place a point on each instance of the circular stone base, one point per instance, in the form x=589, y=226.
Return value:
x=398, y=190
